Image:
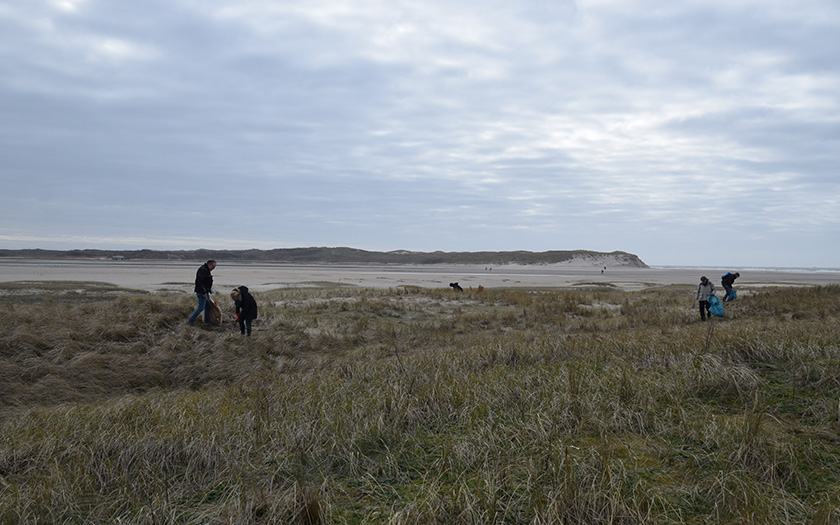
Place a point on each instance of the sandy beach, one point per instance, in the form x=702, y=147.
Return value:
x=179, y=276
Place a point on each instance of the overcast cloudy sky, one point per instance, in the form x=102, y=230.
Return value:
x=701, y=132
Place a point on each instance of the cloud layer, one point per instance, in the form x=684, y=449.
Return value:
x=695, y=133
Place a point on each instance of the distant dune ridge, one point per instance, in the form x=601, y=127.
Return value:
x=341, y=255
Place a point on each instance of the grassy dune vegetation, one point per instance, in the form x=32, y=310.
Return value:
x=418, y=406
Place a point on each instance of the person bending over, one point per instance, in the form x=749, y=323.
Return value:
x=246, y=308
x=727, y=281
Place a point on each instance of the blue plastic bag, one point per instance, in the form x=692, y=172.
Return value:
x=715, y=306
x=731, y=296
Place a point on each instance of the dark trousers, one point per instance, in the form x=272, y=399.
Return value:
x=245, y=324
x=704, y=310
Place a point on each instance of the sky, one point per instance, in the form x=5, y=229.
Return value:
x=696, y=133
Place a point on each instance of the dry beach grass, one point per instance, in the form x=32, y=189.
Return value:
x=416, y=405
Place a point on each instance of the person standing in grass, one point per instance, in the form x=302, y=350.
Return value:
x=727, y=281
x=704, y=290
x=246, y=308
x=203, y=287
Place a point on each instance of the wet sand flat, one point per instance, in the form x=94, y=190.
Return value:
x=179, y=276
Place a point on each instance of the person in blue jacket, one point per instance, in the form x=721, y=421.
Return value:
x=727, y=281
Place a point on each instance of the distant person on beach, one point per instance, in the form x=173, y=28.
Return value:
x=203, y=287
x=727, y=281
x=704, y=290
x=246, y=308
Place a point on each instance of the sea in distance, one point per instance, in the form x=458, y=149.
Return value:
x=724, y=269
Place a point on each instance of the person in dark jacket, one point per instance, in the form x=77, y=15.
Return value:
x=727, y=281
x=246, y=308
x=203, y=287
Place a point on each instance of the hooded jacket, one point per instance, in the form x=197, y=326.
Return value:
x=246, y=304
x=704, y=291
